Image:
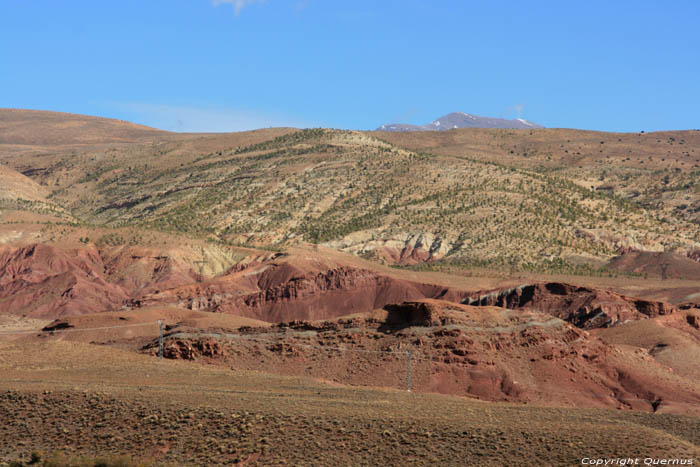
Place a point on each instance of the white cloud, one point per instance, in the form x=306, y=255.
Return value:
x=238, y=5
x=513, y=110
x=202, y=119
x=301, y=5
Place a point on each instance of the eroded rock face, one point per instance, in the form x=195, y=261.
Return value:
x=490, y=353
x=583, y=307
x=412, y=314
x=42, y=281
x=49, y=282
x=408, y=248
x=287, y=293
x=693, y=321
x=694, y=255
x=186, y=349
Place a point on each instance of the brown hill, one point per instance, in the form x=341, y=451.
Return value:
x=489, y=353
x=44, y=128
x=673, y=340
x=676, y=266
x=14, y=186
x=290, y=287
x=19, y=193
x=558, y=147
x=40, y=281
x=542, y=200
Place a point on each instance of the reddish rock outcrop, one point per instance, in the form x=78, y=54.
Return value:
x=288, y=293
x=490, y=353
x=583, y=307
x=42, y=281
x=185, y=349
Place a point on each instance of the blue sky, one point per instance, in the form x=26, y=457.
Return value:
x=208, y=65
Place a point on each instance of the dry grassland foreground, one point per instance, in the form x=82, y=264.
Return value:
x=81, y=404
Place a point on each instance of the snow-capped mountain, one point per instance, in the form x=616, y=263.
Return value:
x=462, y=120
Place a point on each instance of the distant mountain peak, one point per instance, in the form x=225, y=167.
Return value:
x=456, y=120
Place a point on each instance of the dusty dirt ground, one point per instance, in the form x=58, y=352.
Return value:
x=83, y=399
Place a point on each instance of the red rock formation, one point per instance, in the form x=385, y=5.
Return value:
x=288, y=293
x=585, y=308
x=490, y=353
x=41, y=281
x=192, y=349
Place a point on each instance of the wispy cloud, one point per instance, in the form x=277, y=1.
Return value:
x=238, y=5
x=301, y=5
x=515, y=109
x=203, y=119
x=404, y=117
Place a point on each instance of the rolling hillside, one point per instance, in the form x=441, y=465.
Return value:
x=539, y=200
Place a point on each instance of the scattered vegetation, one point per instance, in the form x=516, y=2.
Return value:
x=541, y=204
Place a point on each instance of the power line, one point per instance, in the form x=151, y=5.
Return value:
x=200, y=265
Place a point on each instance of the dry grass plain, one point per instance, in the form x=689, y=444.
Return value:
x=84, y=399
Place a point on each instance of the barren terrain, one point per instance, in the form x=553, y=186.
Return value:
x=544, y=284
x=78, y=398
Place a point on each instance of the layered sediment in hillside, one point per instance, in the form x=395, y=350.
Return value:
x=583, y=307
x=49, y=282
x=42, y=281
x=489, y=353
x=279, y=292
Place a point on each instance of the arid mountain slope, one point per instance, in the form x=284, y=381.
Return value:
x=355, y=193
x=43, y=281
x=42, y=128
x=659, y=171
x=38, y=280
x=280, y=291
x=526, y=200
x=670, y=264
x=19, y=192
x=15, y=186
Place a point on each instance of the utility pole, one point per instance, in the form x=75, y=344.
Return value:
x=664, y=271
x=408, y=370
x=160, y=339
x=200, y=265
